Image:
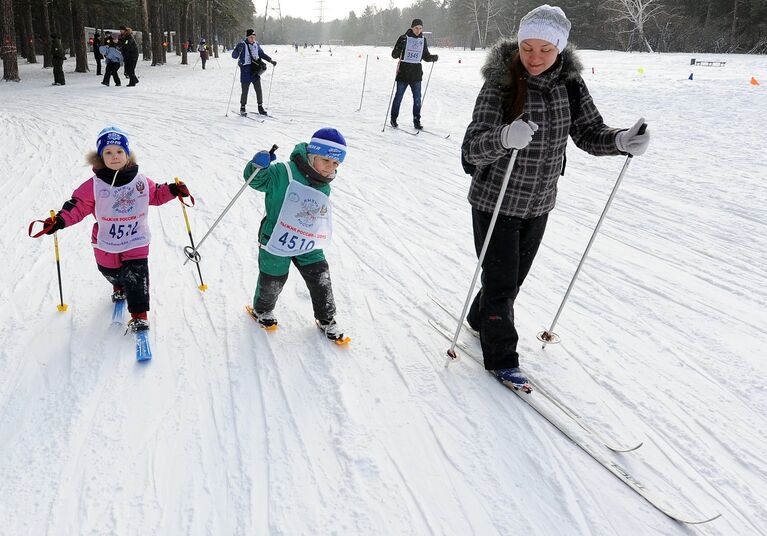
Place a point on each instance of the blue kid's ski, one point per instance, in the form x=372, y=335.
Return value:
x=143, y=351
x=118, y=312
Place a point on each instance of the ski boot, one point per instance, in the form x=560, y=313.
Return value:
x=332, y=331
x=514, y=376
x=261, y=110
x=138, y=324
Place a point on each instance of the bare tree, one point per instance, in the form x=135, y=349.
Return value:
x=635, y=13
x=483, y=14
x=8, y=46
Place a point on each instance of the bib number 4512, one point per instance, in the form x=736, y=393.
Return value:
x=295, y=243
x=124, y=229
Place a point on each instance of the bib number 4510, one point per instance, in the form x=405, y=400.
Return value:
x=293, y=242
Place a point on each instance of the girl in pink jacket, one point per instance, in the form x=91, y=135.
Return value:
x=118, y=197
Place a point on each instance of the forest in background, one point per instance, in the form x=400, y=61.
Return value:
x=714, y=26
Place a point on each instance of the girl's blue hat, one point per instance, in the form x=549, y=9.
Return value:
x=112, y=136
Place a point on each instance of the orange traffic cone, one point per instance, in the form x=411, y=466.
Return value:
x=754, y=81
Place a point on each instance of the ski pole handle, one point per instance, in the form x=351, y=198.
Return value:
x=640, y=131
x=192, y=252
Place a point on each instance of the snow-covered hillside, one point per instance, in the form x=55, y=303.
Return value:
x=233, y=430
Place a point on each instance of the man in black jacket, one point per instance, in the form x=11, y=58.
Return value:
x=96, y=53
x=129, y=51
x=410, y=49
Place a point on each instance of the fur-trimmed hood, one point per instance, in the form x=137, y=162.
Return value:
x=497, y=67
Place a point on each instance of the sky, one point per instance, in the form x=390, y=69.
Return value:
x=333, y=9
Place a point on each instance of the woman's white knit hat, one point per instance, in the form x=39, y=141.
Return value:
x=545, y=22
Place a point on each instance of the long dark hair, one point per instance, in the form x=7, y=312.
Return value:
x=515, y=92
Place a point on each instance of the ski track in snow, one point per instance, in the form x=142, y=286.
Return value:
x=234, y=430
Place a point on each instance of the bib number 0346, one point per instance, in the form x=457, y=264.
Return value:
x=295, y=243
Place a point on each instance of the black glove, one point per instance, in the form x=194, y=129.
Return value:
x=178, y=190
x=434, y=57
x=51, y=226
x=274, y=62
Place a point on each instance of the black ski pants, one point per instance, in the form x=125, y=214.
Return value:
x=317, y=279
x=257, y=86
x=507, y=262
x=133, y=277
x=58, y=71
x=111, y=70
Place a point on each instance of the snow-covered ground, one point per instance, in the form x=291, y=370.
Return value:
x=233, y=430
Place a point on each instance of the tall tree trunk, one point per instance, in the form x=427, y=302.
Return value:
x=72, y=32
x=184, y=32
x=156, y=34
x=21, y=24
x=8, y=47
x=46, y=33
x=164, y=23
x=31, y=53
x=81, y=50
x=146, y=40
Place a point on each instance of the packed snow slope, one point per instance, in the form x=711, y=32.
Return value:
x=233, y=430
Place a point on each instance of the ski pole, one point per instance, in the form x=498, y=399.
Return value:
x=364, y=78
x=549, y=336
x=425, y=89
x=451, y=354
x=61, y=306
x=271, y=79
x=396, y=72
x=192, y=253
x=229, y=102
x=196, y=62
x=202, y=286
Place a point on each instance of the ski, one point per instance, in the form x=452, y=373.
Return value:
x=406, y=131
x=552, y=398
x=143, y=351
x=618, y=471
x=439, y=135
x=118, y=312
x=246, y=116
x=252, y=314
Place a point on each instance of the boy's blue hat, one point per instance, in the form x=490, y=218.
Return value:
x=328, y=142
x=112, y=136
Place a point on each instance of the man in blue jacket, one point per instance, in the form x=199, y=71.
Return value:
x=410, y=49
x=250, y=55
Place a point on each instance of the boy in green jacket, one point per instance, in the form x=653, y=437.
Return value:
x=297, y=224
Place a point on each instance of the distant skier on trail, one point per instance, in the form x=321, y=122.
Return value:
x=296, y=226
x=538, y=74
x=249, y=56
x=203, y=49
x=118, y=197
x=410, y=49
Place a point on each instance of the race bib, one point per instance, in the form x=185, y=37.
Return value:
x=122, y=213
x=413, y=50
x=305, y=222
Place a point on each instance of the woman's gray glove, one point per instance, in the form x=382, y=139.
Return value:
x=631, y=141
x=518, y=134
